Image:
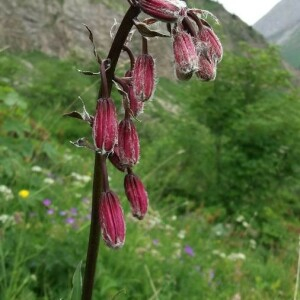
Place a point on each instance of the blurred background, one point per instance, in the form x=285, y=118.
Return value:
x=220, y=159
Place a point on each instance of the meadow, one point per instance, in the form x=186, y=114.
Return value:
x=220, y=161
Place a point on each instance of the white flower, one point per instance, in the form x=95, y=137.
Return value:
x=236, y=256
x=80, y=178
x=49, y=180
x=6, y=192
x=245, y=224
x=181, y=234
x=174, y=218
x=240, y=219
x=37, y=169
x=7, y=219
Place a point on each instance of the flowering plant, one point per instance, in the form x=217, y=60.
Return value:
x=196, y=49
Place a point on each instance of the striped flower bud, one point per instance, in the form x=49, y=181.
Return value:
x=207, y=68
x=112, y=220
x=137, y=195
x=136, y=107
x=114, y=158
x=163, y=10
x=185, y=54
x=208, y=41
x=143, y=77
x=105, y=125
x=128, y=143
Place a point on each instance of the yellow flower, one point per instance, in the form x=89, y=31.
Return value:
x=24, y=193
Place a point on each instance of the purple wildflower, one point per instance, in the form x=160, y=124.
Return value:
x=62, y=213
x=50, y=211
x=47, y=202
x=70, y=220
x=189, y=250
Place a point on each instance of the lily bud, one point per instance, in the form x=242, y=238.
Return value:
x=114, y=158
x=137, y=195
x=163, y=10
x=105, y=125
x=112, y=220
x=136, y=107
x=143, y=77
x=207, y=68
x=128, y=143
x=210, y=42
x=185, y=54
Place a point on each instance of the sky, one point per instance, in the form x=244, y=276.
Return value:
x=249, y=11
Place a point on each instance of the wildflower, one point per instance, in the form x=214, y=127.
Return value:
x=136, y=107
x=6, y=192
x=143, y=78
x=70, y=220
x=208, y=41
x=112, y=220
x=24, y=194
x=105, y=126
x=206, y=68
x=114, y=158
x=50, y=211
x=49, y=180
x=155, y=242
x=36, y=169
x=186, y=59
x=136, y=195
x=163, y=10
x=47, y=202
x=189, y=251
x=236, y=256
x=7, y=219
x=181, y=234
x=128, y=144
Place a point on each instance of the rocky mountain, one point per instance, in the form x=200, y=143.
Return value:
x=281, y=26
x=55, y=27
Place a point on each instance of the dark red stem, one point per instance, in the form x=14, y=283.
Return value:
x=100, y=173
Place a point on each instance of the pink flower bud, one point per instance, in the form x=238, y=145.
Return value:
x=112, y=220
x=128, y=144
x=163, y=10
x=114, y=158
x=207, y=68
x=136, y=107
x=143, y=79
x=185, y=53
x=105, y=125
x=209, y=41
x=137, y=195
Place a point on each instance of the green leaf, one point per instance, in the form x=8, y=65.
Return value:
x=77, y=283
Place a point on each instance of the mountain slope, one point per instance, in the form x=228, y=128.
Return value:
x=55, y=27
x=281, y=26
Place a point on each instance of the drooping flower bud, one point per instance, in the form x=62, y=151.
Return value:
x=112, y=220
x=137, y=195
x=105, y=125
x=143, y=77
x=208, y=41
x=136, y=107
x=207, y=68
x=128, y=143
x=185, y=54
x=163, y=10
x=114, y=158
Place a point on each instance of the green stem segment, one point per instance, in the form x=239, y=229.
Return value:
x=100, y=172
